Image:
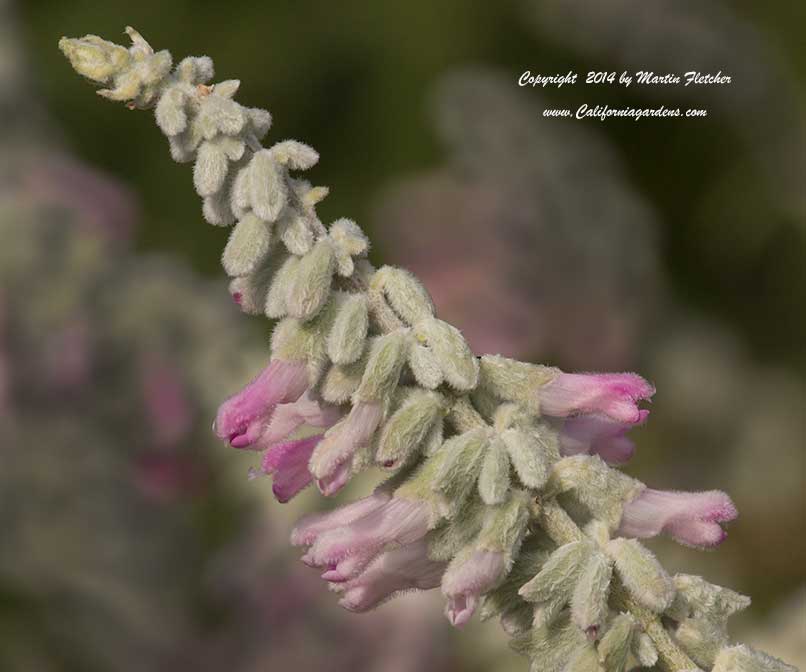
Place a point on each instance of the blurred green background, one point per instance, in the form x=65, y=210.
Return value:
x=673, y=247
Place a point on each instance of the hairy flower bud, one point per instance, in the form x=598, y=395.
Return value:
x=408, y=427
x=531, y=454
x=404, y=293
x=642, y=574
x=268, y=189
x=616, y=644
x=309, y=288
x=494, y=475
x=347, y=338
x=459, y=366
x=248, y=245
x=294, y=155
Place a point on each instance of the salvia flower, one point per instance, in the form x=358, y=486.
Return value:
x=467, y=580
x=288, y=463
x=361, y=357
x=597, y=434
x=332, y=460
x=345, y=551
x=615, y=395
x=242, y=417
x=311, y=527
x=691, y=518
x=305, y=411
x=392, y=572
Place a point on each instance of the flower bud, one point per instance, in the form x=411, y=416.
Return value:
x=342, y=380
x=554, y=584
x=276, y=297
x=309, y=288
x=95, y=58
x=268, y=190
x=425, y=366
x=349, y=241
x=616, y=644
x=531, y=453
x=405, y=294
x=494, y=476
x=408, y=427
x=248, y=245
x=347, y=338
x=294, y=155
x=602, y=491
x=296, y=232
x=385, y=363
x=170, y=112
x=511, y=380
x=456, y=476
x=642, y=574
x=459, y=365
x=589, y=601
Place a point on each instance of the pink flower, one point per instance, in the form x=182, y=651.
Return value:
x=288, y=462
x=465, y=582
x=241, y=418
x=345, y=551
x=405, y=568
x=306, y=410
x=311, y=527
x=691, y=518
x=599, y=435
x=332, y=459
x=612, y=394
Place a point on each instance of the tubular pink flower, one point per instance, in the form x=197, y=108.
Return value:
x=311, y=527
x=599, y=435
x=288, y=462
x=306, y=410
x=691, y=518
x=613, y=394
x=241, y=417
x=464, y=583
x=332, y=459
x=345, y=551
x=405, y=568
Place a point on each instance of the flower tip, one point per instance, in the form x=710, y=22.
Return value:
x=237, y=440
x=334, y=576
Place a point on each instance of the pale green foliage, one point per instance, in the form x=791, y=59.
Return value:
x=248, y=245
x=407, y=297
x=642, y=574
x=459, y=366
x=347, y=340
x=743, y=658
x=382, y=373
x=494, y=477
x=616, y=644
x=511, y=380
x=463, y=434
x=309, y=286
x=589, y=603
x=595, y=486
x=409, y=427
